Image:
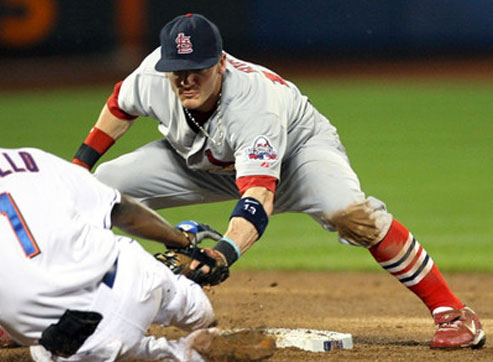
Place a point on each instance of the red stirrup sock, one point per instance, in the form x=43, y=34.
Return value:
x=402, y=256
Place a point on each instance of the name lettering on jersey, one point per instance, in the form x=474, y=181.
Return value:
x=244, y=67
x=241, y=66
x=262, y=150
x=275, y=78
x=183, y=44
x=25, y=163
x=225, y=165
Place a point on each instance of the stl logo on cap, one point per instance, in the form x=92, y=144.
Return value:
x=183, y=44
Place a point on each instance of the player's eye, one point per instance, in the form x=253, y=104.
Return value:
x=177, y=74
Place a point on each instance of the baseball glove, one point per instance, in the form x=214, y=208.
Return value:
x=199, y=231
x=179, y=260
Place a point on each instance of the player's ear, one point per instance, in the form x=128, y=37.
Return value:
x=222, y=63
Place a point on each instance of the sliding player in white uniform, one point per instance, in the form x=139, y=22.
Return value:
x=73, y=287
x=236, y=130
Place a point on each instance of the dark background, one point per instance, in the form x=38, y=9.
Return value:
x=295, y=28
x=98, y=38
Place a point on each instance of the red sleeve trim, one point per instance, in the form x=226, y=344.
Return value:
x=246, y=182
x=113, y=106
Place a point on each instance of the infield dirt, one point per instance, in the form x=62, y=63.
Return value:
x=388, y=323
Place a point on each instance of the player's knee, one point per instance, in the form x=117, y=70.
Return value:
x=364, y=223
x=108, y=174
x=209, y=318
x=201, y=313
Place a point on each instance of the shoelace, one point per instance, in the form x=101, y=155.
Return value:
x=449, y=325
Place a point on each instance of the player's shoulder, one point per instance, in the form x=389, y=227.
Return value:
x=241, y=67
x=147, y=66
x=242, y=77
x=247, y=83
x=146, y=77
x=252, y=75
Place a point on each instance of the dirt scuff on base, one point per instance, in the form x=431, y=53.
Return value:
x=247, y=345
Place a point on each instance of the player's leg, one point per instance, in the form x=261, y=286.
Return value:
x=183, y=304
x=128, y=305
x=141, y=287
x=151, y=348
x=187, y=307
x=160, y=178
x=401, y=255
x=322, y=184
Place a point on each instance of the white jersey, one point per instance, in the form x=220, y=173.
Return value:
x=260, y=114
x=57, y=254
x=55, y=237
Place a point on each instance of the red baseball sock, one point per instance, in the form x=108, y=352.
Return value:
x=402, y=256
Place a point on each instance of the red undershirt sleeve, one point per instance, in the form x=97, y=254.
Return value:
x=113, y=106
x=246, y=182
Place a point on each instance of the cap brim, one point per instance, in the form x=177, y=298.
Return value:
x=175, y=65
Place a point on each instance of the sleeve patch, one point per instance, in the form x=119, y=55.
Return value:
x=263, y=151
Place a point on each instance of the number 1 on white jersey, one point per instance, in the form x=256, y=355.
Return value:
x=9, y=209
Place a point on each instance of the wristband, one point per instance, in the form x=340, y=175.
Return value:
x=95, y=145
x=86, y=156
x=252, y=210
x=229, y=249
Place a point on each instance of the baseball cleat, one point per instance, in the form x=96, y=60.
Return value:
x=458, y=328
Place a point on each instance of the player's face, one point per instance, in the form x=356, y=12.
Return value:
x=198, y=89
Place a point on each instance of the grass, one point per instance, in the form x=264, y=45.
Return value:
x=424, y=148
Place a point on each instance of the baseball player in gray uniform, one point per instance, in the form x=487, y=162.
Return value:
x=236, y=130
x=71, y=288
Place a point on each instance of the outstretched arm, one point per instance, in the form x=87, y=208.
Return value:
x=246, y=226
x=137, y=219
x=112, y=125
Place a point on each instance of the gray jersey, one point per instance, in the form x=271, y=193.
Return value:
x=263, y=126
x=260, y=114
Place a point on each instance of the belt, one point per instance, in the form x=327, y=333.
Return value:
x=109, y=277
